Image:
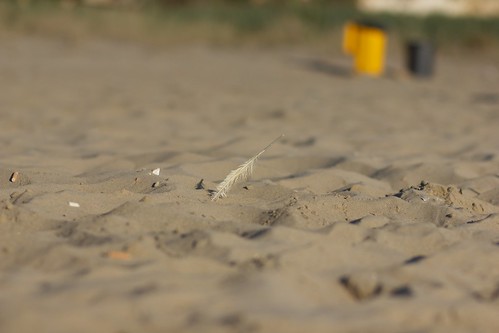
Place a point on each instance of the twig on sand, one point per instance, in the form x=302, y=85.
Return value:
x=243, y=172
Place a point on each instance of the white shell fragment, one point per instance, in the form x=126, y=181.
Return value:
x=156, y=171
x=74, y=204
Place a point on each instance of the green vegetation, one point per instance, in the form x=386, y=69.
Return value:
x=236, y=21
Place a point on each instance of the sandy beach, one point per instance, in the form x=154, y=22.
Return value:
x=376, y=212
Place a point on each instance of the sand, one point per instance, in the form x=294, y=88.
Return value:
x=377, y=212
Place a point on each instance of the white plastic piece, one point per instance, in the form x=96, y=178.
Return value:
x=156, y=171
x=74, y=204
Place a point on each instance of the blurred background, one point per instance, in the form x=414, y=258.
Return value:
x=464, y=25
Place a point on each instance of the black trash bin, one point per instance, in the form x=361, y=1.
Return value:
x=420, y=58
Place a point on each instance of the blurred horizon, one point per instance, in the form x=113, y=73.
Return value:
x=236, y=22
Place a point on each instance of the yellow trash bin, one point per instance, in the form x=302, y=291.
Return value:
x=366, y=42
x=370, y=53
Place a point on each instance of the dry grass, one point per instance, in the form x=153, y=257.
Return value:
x=242, y=173
x=223, y=24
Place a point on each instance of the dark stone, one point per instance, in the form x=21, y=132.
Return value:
x=414, y=260
x=403, y=291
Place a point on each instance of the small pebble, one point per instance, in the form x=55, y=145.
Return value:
x=200, y=185
x=118, y=255
x=14, y=177
x=74, y=204
x=414, y=260
x=402, y=291
x=156, y=184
